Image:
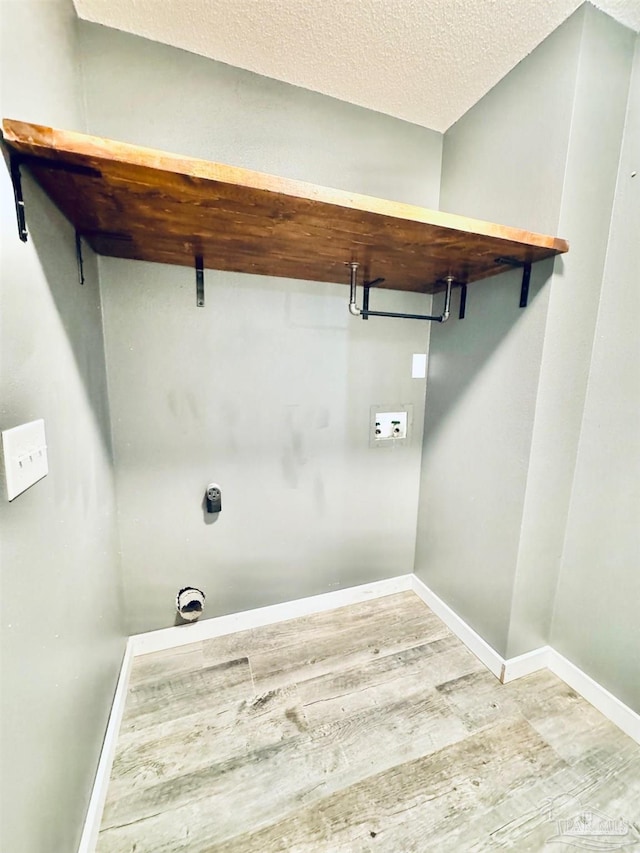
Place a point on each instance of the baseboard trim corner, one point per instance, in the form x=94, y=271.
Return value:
x=93, y=819
x=545, y=657
x=472, y=640
x=525, y=664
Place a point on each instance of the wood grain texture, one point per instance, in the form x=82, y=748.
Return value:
x=170, y=697
x=142, y=204
x=331, y=697
x=436, y=802
x=368, y=728
x=176, y=747
x=299, y=649
x=159, y=665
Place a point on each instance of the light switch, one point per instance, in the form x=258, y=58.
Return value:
x=25, y=456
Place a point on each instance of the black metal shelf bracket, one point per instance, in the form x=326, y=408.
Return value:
x=199, y=282
x=526, y=276
x=16, y=180
x=365, y=312
x=463, y=302
x=524, y=287
x=79, y=258
x=366, y=287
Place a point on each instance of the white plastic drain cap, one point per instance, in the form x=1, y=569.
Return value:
x=190, y=603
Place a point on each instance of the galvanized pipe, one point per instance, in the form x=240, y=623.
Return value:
x=353, y=308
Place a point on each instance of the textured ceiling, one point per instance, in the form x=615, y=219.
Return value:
x=426, y=61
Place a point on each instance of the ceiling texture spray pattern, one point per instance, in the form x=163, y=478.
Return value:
x=425, y=61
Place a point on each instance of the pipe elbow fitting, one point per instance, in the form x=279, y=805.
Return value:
x=353, y=309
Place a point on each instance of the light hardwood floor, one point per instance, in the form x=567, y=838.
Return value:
x=366, y=728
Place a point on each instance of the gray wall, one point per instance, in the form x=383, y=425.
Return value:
x=506, y=387
x=597, y=122
x=267, y=390
x=503, y=161
x=62, y=638
x=596, y=621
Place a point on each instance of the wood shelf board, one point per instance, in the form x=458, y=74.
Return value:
x=142, y=204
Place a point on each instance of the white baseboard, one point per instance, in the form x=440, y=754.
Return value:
x=612, y=708
x=472, y=640
x=101, y=782
x=168, y=638
x=546, y=656
x=525, y=664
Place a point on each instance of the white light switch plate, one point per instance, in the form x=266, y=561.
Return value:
x=25, y=456
x=419, y=365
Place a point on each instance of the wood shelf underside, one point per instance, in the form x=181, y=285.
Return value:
x=137, y=203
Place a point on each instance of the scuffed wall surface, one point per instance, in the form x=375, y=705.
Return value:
x=267, y=390
x=62, y=634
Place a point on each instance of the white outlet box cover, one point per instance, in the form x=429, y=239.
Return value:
x=387, y=418
x=25, y=456
x=390, y=426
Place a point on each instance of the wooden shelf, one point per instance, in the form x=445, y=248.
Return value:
x=132, y=202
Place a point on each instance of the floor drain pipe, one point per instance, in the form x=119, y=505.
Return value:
x=190, y=603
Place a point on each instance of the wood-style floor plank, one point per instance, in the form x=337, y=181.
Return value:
x=156, y=701
x=323, y=642
x=177, y=747
x=330, y=697
x=366, y=728
x=262, y=786
x=437, y=802
x=157, y=665
x=528, y=821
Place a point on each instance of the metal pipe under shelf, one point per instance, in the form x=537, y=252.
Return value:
x=359, y=312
